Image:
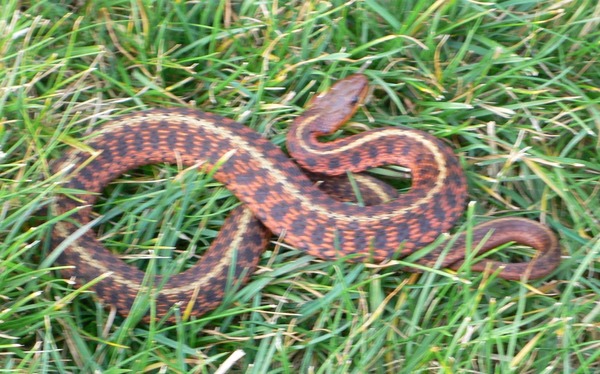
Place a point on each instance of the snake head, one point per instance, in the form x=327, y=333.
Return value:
x=330, y=109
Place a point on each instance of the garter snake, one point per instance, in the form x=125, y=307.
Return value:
x=278, y=198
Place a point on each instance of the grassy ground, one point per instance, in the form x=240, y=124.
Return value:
x=513, y=86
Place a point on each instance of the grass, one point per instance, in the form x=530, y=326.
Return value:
x=512, y=85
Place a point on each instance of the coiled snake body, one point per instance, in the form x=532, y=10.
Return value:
x=276, y=193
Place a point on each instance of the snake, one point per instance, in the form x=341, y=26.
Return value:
x=278, y=198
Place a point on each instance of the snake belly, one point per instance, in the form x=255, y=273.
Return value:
x=277, y=198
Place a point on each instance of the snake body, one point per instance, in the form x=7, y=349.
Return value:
x=279, y=198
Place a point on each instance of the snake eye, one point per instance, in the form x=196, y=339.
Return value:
x=354, y=100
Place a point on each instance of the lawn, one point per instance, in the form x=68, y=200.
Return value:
x=512, y=86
